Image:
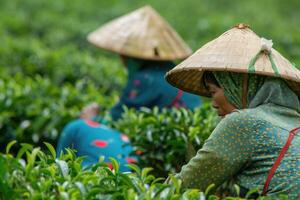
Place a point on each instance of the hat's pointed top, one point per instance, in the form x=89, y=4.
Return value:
x=143, y=34
x=237, y=50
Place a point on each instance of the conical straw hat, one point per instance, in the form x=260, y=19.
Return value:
x=143, y=34
x=237, y=50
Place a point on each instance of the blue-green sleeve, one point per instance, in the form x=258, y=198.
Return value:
x=225, y=152
x=140, y=91
x=67, y=137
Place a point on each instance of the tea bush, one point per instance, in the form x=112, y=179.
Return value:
x=47, y=39
x=48, y=71
x=167, y=139
x=31, y=56
x=66, y=23
x=34, y=110
x=33, y=174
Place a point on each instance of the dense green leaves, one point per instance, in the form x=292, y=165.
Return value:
x=34, y=110
x=48, y=71
x=39, y=176
x=46, y=42
x=167, y=139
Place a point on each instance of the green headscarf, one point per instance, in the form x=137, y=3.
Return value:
x=261, y=90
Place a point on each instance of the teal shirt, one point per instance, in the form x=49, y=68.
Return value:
x=244, y=147
x=146, y=87
x=93, y=140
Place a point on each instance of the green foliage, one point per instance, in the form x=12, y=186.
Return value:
x=62, y=26
x=34, y=110
x=40, y=176
x=46, y=42
x=48, y=71
x=32, y=56
x=167, y=139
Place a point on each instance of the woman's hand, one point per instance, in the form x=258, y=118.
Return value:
x=90, y=111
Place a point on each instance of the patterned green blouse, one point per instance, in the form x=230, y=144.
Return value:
x=245, y=144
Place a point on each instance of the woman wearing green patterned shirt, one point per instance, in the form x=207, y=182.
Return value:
x=256, y=92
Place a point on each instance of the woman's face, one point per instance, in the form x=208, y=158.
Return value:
x=219, y=101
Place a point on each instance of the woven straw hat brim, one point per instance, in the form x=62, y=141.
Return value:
x=141, y=34
x=233, y=51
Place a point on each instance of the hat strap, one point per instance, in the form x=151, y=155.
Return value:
x=245, y=91
x=251, y=67
x=274, y=67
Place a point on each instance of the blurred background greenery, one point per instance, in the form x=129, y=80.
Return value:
x=59, y=24
x=49, y=71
